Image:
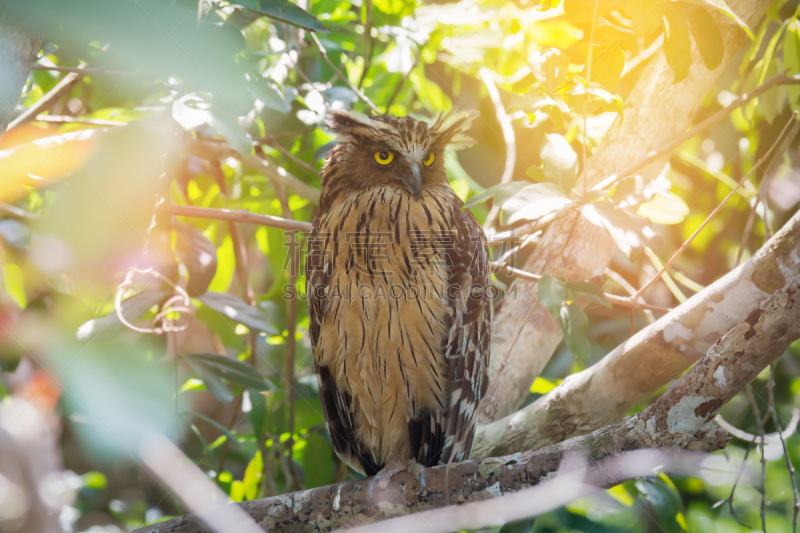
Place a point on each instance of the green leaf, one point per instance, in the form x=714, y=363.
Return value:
x=722, y=6
x=318, y=465
x=575, y=325
x=212, y=381
x=288, y=12
x=231, y=370
x=791, y=59
x=535, y=201
x=132, y=308
x=222, y=326
x=198, y=254
x=252, y=477
x=551, y=293
x=559, y=161
x=550, y=67
x=590, y=291
x=258, y=413
x=522, y=526
x=706, y=34
x=666, y=501
x=235, y=309
x=227, y=125
x=677, y=47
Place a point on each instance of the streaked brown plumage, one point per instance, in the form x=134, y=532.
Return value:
x=399, y=295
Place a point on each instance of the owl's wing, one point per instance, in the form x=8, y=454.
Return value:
x=469, y=338
x=336, y=404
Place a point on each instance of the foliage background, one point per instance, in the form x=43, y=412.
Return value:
x=212, y=372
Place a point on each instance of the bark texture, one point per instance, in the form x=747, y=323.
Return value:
x=656, y=111
x=17, y=55
x=682, y=419
x=655, y=355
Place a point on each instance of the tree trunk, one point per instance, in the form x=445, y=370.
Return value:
x=656, y=111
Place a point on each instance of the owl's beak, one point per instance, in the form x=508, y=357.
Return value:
x=414, y=182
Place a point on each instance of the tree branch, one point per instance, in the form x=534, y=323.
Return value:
x=680, y=419
x=655, y=355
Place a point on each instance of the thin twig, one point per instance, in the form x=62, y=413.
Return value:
x=789, y=466
x=772, y=438
x=82, y=71
x=291, y=328
x=760, y=432
x=65, y=119
x=508, y=137
x=403, y=80
x=762, y=193
x=717, y=117
x=622, y=282
x=369, y=45
x=299, y=162
x=716, y=209
x=211, y=150
x=614, y=299
x=586, y=101
x=47, y=101
x=342, y=76
x=239, y=215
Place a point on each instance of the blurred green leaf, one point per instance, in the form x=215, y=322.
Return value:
x=551, y=293
x=318, y=465
x=791, y=59
x=198, y=254
x=590, y=290
x=575, y=325
x=230, y=369
x=666, y=502
x=132, y=308
x=235, y=309
x=288, y=12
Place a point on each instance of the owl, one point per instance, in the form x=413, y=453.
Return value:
x=399, y=296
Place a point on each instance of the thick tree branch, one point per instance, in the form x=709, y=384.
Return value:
x=681, y=419
x=655, y=355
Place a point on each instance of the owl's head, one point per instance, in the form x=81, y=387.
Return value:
x=397, y=151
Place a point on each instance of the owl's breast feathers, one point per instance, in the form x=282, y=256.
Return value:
x=400, y=322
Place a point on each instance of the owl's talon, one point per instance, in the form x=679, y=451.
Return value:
x=383, y=477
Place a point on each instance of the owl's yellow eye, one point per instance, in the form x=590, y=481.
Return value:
x=383, y=158
x=428, y=162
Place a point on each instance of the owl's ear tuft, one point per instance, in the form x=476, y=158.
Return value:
x=348, y=123
x=450, y=129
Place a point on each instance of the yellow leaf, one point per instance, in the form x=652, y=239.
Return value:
x=543, y=386
x=664, y=209
x=621, y=495
x=51, y=158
